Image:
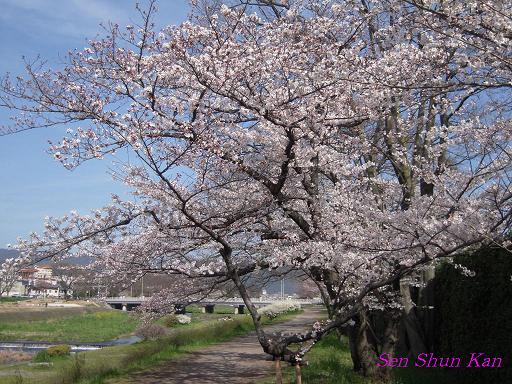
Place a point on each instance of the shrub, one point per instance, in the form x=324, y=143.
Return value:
x=278, y=308
x=54, y=351
x=171, y=321
x=59, y=350
x=42, y=356
x=150, y=331
x=183, y=319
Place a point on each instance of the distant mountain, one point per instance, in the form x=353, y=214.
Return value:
x=7, y=253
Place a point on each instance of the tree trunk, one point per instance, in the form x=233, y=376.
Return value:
x=413, y=331
x=362, y=345
x=298, y=374
x=351, y=333
x=426, y=302
x=279, y=373
x=389, y=342
x=368, y=338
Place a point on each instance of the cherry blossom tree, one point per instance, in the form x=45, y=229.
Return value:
x=68, y=277
x=8, y=276
x=358, y=141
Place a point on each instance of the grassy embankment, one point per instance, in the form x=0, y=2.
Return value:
x=66, y=325
x=12, y=312
x=95, y=367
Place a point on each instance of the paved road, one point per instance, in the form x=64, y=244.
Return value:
x=240, y=360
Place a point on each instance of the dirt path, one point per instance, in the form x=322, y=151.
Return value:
x=240, y=360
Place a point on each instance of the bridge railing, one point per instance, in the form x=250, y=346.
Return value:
x=231, y=300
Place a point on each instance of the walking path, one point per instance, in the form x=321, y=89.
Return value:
x=240, y=360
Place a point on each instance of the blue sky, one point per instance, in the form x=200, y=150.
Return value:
x=32, y=184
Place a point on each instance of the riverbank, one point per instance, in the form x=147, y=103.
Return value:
x=97, y=366
x=61, y=326
x=30, y=309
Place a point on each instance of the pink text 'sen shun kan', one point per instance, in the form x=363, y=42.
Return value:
x=428, y=360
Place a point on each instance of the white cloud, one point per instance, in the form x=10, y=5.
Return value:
x=72, y=18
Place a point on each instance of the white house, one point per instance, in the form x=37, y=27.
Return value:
x=38, y=282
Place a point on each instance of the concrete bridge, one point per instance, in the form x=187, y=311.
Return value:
x=129, y=303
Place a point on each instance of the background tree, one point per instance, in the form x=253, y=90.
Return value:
x=68, y=277
x=8, y=277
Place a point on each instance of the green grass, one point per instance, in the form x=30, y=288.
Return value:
x=12, y=299
x=219, y=309
x=14, y=314
x=95, y=367
x=86, y=327
x=329, y=362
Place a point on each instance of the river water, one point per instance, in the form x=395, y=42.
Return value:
x=36, y=346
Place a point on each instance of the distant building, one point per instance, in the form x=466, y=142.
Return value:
x=38, y=282
x=28, y=273
x=43, y=273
